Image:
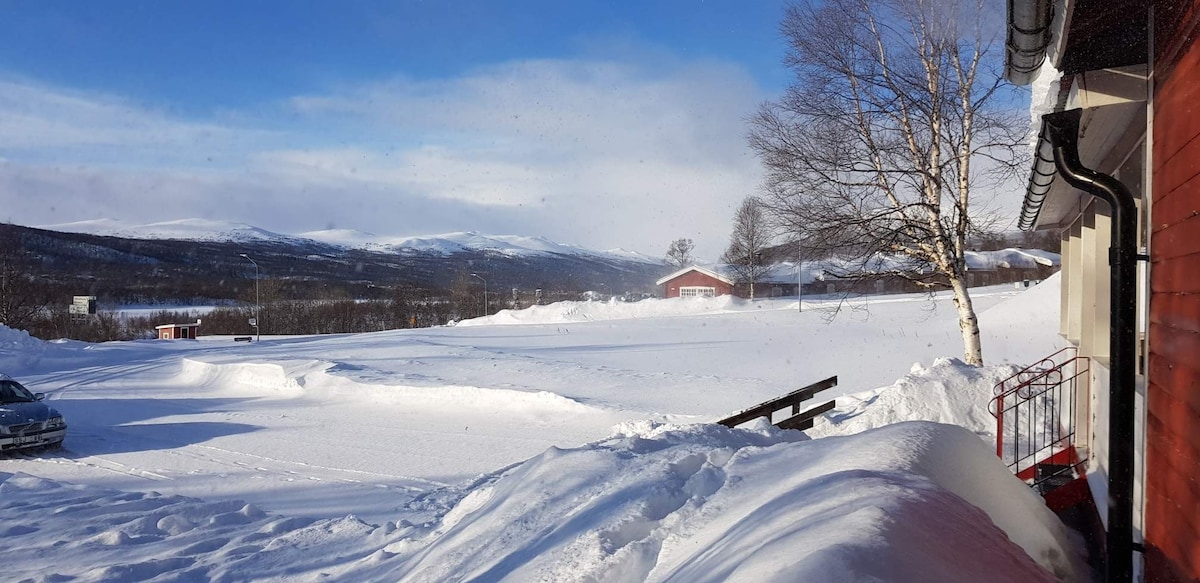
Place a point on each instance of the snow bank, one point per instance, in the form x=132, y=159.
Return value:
x=900, y=503
x=948, y=391
x=336, y=381
x=13, y=340
x=569, y=312
x=909, y=502
x=17, y=348
x=1024, y=328
x=705, y=503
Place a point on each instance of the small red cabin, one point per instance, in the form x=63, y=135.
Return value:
x=178, y=331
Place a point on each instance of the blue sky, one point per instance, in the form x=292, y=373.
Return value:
x=600, y=123
x=205, y=56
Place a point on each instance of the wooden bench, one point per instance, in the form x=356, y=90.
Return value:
x=798, y=420
x=243, y=338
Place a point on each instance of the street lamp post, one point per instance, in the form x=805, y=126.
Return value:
x=799, y=278
x=485, y=299
x=257, y=326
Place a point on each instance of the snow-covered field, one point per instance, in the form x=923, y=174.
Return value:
x=563, y=443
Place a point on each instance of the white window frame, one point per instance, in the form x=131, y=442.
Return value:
x=697, y=291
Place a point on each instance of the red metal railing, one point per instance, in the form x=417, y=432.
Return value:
x=1035, y=411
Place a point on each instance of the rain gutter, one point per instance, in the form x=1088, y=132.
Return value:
x=1029, y=36
x=1061, y=132
x=1041, y=178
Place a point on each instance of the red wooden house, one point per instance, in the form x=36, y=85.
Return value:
x=1118, y=167
x=695, y=281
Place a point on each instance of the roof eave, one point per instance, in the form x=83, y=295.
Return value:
x=696, y=268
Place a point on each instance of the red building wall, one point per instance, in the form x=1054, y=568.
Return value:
x=671, y=287
x=177, y=333
x=1173, y=371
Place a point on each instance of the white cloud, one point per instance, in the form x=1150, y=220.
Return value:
x=592, y=152
x=37, y=118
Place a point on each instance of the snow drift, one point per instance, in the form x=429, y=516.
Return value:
x=569, y=312
x=948, y=391
x=909, y=502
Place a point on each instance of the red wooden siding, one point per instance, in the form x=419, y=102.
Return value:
x=177, y=333
x=1173, y=401
x=671, y=288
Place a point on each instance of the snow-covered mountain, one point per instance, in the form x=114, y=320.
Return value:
x=443, y=244
x=468, y=241
x=198, y=255
x=185, y=229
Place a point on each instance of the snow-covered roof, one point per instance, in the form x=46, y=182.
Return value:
x=713, y=273
x=188, y=325
x=827, y=269
x=1011, y=259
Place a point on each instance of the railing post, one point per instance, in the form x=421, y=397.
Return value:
x=1000, y=426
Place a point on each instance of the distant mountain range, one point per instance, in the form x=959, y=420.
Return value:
x=196, y=258
x=444, y=244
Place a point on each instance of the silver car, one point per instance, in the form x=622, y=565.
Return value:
x=25, y=421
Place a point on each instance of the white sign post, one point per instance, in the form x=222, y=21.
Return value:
x=82, y=305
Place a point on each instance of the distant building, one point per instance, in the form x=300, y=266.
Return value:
x=694, y=281
x=870, y=275
x=178, y=331
x=894, y=274
x=1009, y=265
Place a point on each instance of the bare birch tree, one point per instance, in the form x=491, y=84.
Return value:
x=751, y=235
x=873, y=150
x=679, y=253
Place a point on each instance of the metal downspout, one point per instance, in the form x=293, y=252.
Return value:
x=1063, y=134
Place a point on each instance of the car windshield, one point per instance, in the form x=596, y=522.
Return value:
x=13, y=392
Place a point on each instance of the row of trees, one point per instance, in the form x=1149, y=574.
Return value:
x=276, y=317
x=31, y=304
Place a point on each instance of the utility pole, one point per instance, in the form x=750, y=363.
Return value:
x=799, y=278
x=257, y=327
x=485, y=299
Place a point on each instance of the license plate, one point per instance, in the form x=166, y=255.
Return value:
x=25, y=439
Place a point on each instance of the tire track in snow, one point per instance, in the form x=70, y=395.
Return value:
x=426, y=482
